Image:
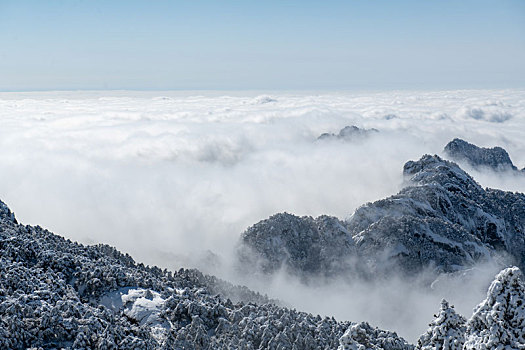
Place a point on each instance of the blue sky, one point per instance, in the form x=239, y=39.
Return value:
x=50, y=45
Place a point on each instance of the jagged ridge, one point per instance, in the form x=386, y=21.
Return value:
x=442, y=219
x=495, y=158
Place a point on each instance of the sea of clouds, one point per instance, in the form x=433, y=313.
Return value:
x=173, y=178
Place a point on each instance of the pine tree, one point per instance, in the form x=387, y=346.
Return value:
x=446, y=332
x=499, y=321
x=362, y=336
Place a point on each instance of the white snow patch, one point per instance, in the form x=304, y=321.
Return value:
x=142, y=305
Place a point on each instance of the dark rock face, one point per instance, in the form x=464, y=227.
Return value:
x=303, y=243
x=349, y=133
x=495, y=158
x=55, y=293
x=443, y=220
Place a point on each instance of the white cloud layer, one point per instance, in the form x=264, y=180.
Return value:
x=167, y=176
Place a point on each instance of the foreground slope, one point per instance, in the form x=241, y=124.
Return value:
x=442, y=220
x=55, y=293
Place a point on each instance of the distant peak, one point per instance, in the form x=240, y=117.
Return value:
x=495, y=158
x=349, y=133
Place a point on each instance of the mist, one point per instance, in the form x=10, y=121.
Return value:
x=402, y=304
x=169, y=177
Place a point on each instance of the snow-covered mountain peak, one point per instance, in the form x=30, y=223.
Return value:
x=442, y=219
x=432, y=169
x=495, y=158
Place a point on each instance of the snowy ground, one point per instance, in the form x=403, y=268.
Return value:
x=166, y=176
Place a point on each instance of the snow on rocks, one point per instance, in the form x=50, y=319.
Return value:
x=303, y=244
x=442, y=219
x=495, y=158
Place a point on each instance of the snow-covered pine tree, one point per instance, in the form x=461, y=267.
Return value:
x=362, y=336
x=355, y=338
x=446, y=332
x=499, y=321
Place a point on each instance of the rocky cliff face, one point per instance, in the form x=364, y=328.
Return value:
x=495, y=158
x=303, y=244
x=442, y=219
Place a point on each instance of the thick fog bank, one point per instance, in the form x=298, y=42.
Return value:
x=170, y=177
